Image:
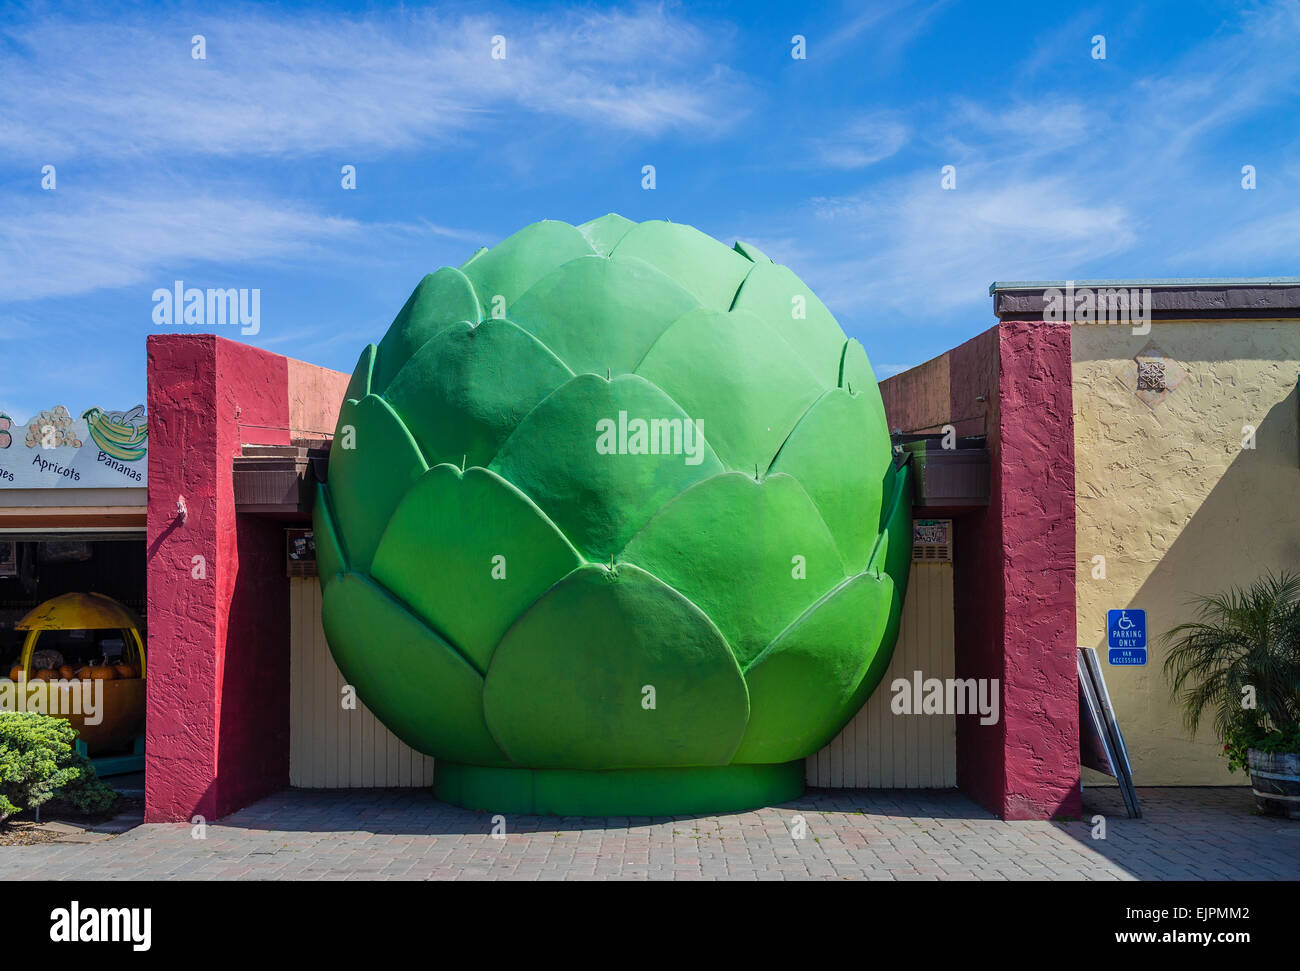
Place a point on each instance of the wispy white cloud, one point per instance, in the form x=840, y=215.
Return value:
x=283, y=85
x=1247, y=243
x=1055, y=186
x=1048, y=124
x=1069, y=42
x=917, y=245
x=115, y=241
x=83, y=91
x=861, y=142
x=882, y=27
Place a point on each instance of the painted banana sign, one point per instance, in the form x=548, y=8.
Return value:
x=101, y=449
x=122, y=434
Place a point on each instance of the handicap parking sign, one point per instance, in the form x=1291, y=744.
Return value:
x=1126, y=636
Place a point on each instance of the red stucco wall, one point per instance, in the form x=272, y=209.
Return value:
x=1036, y=467
x=1013, y=561
x=181, y=725
x=217, y=734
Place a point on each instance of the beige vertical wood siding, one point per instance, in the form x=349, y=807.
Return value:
x=881, y=750
x=330, y=748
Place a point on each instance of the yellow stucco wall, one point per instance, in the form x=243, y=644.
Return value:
x=1176, y=506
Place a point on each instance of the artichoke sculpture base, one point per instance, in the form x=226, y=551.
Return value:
x=678, y=791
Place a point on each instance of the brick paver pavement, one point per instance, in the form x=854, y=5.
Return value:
x=1209, y=834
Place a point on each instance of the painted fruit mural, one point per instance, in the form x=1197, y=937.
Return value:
x=612, y=524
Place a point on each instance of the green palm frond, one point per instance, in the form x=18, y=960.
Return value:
x=1244, y=638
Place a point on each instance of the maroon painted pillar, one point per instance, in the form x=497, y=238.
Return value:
x=1013, y=561
x=217, y=733
x=1014, y=565
x=181, y=722
x=1036, y=492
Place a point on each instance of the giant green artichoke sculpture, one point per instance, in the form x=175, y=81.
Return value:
x=612, y=525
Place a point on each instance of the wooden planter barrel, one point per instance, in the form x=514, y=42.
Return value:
x=1275, y=779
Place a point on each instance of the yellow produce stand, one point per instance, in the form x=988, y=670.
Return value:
x=124, y=698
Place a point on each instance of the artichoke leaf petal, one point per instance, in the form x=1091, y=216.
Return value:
x=752, y=555
x=373, y=461
x=464, y=392
x=878, y=665
x=896, y=559
x=586, y=455
x=785, y=304
x=403, y=671
x=841, y=456
x=604, y=233
x=441, y=299
x=359, y=385
x=614, y=669
x=505, y=272
x=800, y=684
x=751, y=253
x=601, y=315
x=856, y=373
x=891, y=560
x=705, y=267
x=330, y=558
x=495, y=552
x=740, y=377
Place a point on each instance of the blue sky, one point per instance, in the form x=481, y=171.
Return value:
x=225, y=172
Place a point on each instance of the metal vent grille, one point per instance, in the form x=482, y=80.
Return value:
x=932, y=541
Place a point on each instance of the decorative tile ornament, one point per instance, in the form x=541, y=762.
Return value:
x=1152, y=375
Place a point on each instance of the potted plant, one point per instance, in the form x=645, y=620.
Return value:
x=1240, y=660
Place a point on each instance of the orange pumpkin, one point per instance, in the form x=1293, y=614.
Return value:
x=125, y=671
x=16, y=673
x=46, y=674
x=102, y=672
x=67, y=673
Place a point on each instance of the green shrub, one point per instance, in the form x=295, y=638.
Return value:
x=1243, y=737
x=39, y=760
